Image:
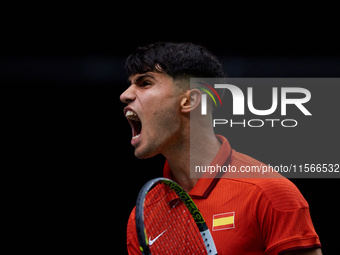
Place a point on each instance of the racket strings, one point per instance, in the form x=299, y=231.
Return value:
x=170, y=228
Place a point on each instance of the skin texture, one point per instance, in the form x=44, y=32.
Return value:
x=155, y=99
x=164, y=108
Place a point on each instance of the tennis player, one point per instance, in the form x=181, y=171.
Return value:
x=244, y=215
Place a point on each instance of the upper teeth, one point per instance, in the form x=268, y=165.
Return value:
x=131, y=115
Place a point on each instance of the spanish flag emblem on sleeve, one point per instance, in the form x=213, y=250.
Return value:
x=223, y=221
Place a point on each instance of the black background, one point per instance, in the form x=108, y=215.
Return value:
x=73, y=176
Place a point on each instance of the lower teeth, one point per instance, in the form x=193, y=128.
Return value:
x=134, y=137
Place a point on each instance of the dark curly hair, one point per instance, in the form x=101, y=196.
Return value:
x=175, y=59
x=178, y=60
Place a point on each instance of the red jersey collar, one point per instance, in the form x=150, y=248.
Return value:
x=204, y=186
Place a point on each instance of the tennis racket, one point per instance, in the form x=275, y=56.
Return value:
x=169, y=222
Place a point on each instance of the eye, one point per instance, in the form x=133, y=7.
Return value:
x=145, y=83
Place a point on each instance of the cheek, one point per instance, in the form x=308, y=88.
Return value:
x=159, y=104
x=161, y=112
x=166, y=119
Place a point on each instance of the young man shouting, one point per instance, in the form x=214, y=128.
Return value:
x=270, y=215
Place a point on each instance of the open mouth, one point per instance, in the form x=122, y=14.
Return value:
x=135, y=123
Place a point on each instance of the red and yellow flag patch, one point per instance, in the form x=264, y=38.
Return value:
x=223, y=221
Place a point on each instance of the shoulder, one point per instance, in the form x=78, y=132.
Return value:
x=277, y=190
x=280, y=193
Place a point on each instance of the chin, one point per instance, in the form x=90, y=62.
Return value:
x=140, y=156
x=145, y=153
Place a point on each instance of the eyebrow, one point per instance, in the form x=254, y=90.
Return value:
x=141, y=77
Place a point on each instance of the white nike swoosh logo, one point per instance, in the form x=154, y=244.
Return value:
x=151, y=241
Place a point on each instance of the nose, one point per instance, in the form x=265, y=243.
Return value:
x=128, y=95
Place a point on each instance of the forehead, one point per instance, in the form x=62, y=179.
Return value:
x=157, y=76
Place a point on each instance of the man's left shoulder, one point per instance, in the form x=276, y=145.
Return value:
x=278, y=190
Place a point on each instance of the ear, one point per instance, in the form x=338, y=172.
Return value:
x=191, y=99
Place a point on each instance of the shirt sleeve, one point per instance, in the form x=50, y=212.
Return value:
x=131, y=236
x=287, y=231
x=285, y=221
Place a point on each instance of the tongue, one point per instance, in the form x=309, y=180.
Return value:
x=137, y=127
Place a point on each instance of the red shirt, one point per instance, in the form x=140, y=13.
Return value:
x=247, y=215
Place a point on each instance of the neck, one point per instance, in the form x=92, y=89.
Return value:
x=197, y=146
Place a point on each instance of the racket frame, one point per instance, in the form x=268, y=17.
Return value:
x=188, y=202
